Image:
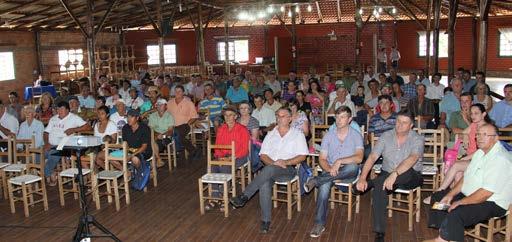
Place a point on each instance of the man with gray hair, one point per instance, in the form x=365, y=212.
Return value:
x=282, y=149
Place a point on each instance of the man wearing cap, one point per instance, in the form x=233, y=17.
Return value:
x=82, y=112
x=184, y=113
x=213, y=104
x=138, y=136
x=61, y=125
x=385, y=90
x=341, y=100
x=119, y=117
x=150, y=105
x=133, y=101
x=162, y=124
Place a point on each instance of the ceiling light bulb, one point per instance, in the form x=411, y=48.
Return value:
x=261, y=14
x=393, y=10
x=289, y=13
x=297, y=9
x=251, y=18
x=270, y=9
x=310, y=8
x=282, y=9
x=380, y=9
x=360, y=11
x=377, y=15
x=242, y=15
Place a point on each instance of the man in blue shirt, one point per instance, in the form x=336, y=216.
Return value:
x=450, y=103
x=86, y=99
x=342, y=150
x=236, y=94
x=501, y=112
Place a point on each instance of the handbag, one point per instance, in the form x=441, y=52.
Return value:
x=450, y=155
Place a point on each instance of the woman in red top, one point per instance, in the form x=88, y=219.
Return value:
x=45, y=109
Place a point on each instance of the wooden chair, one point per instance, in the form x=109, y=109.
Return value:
x=18, y=166
x=29, y=184
x=114, y=180
x=291, y=195
x=68, y=177
x=244, y=172
x=200, y=133
x=169, y=153
x=342, y=197
x=430, y=170
x=5, y=160
x=317, y=133
x=224, y=179
x=501, y=225
x=152, y=160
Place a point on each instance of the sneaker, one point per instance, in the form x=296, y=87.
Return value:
x=310, y=184
x=316, y=231
x=427, y=200
x=264, y=227
x=239, y=201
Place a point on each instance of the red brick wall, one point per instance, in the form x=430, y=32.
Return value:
x=408, y=41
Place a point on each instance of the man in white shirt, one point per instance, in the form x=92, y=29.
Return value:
x=271, y=102
x=383, y=59
x=9, y=125
x=61, y=125
x=435, y=90
x=394, y=57
x=264, y=115
x=422, y=78
x=273, y=83
x=282, y=149
x=119, y=118
x=341, y=100
x=370, y=74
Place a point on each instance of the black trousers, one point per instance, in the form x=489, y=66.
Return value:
x=451, y=224
x=182, y=131
x=407, y=180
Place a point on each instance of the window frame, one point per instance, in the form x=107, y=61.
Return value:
x=80, y=67
x=167, y=44
x=217, y=48
x=13, y=66
x=418, y=36
x=498, y=46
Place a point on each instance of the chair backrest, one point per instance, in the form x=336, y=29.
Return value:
x=431, y=152
x=21, y=149
x=109, y=148
x=7, y=153
x=318, y=132
x=505, y=134
x=373, y=139
x=212, y=161
x=40, y=167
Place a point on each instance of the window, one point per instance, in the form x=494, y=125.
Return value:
x=6, y=66
x=154, y=54
x=422, y=44
x=238, y=50
x=505, y=42
x=71, y=60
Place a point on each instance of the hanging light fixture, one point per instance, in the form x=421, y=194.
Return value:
x=310, y=8
x=297, y=8
x=270, y=9
x=393, y=11
x=282, y=8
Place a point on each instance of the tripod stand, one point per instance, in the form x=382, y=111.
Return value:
x=83, y=230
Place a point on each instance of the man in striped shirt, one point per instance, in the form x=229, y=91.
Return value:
x=212, y=103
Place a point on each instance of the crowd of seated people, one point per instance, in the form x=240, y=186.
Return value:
x=277, y=116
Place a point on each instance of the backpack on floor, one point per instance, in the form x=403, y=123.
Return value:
x=140, y=177
x=304, y=173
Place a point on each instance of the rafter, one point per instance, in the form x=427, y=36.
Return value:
x=107, y=13
x=18, y=7
x=412, y=14
x=72, y=15
x=319, y=11
x=148, y=15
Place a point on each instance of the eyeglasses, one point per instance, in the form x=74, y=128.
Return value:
x=484, y=134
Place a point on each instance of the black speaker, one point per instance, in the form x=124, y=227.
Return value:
x=167, y=25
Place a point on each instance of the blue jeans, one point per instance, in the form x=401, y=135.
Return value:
x=255, y=157
x=263, y=182
x=324, y=184
x=53, y=158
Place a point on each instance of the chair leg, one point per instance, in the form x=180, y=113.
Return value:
x=61, y=190
x=116, y=194
x=126, y=185
x=25, y=199
x=11, y=197
x=30, y=195
x=225, y=196
x=274, y=191
x=169, y=161
x=96, y=194
x=109, y=191
x=4, y=183
x=477, y=232
x=333, y=196
x=289, y=201
x=153, y=167
x=390, y=205
x=201, y=196
x=410, y=210
x=418, y=204
x=45, y=195
x=349, y=212
x=358, y=200
x=299, y=198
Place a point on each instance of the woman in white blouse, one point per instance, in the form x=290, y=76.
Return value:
x=106, y=130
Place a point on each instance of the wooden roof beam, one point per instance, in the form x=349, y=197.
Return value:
x=18, y=7
x=148, y=15
x=107, y=13
x=412, y=14
x=319, y=11
x=338, y=8
x=66, y=22
x=208, y=4
x=65, y=5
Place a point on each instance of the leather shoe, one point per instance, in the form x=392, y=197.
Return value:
x=265, y=227
x=379, y=237
x=239, y=201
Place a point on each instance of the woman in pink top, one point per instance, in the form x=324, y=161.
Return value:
x=479, y=117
